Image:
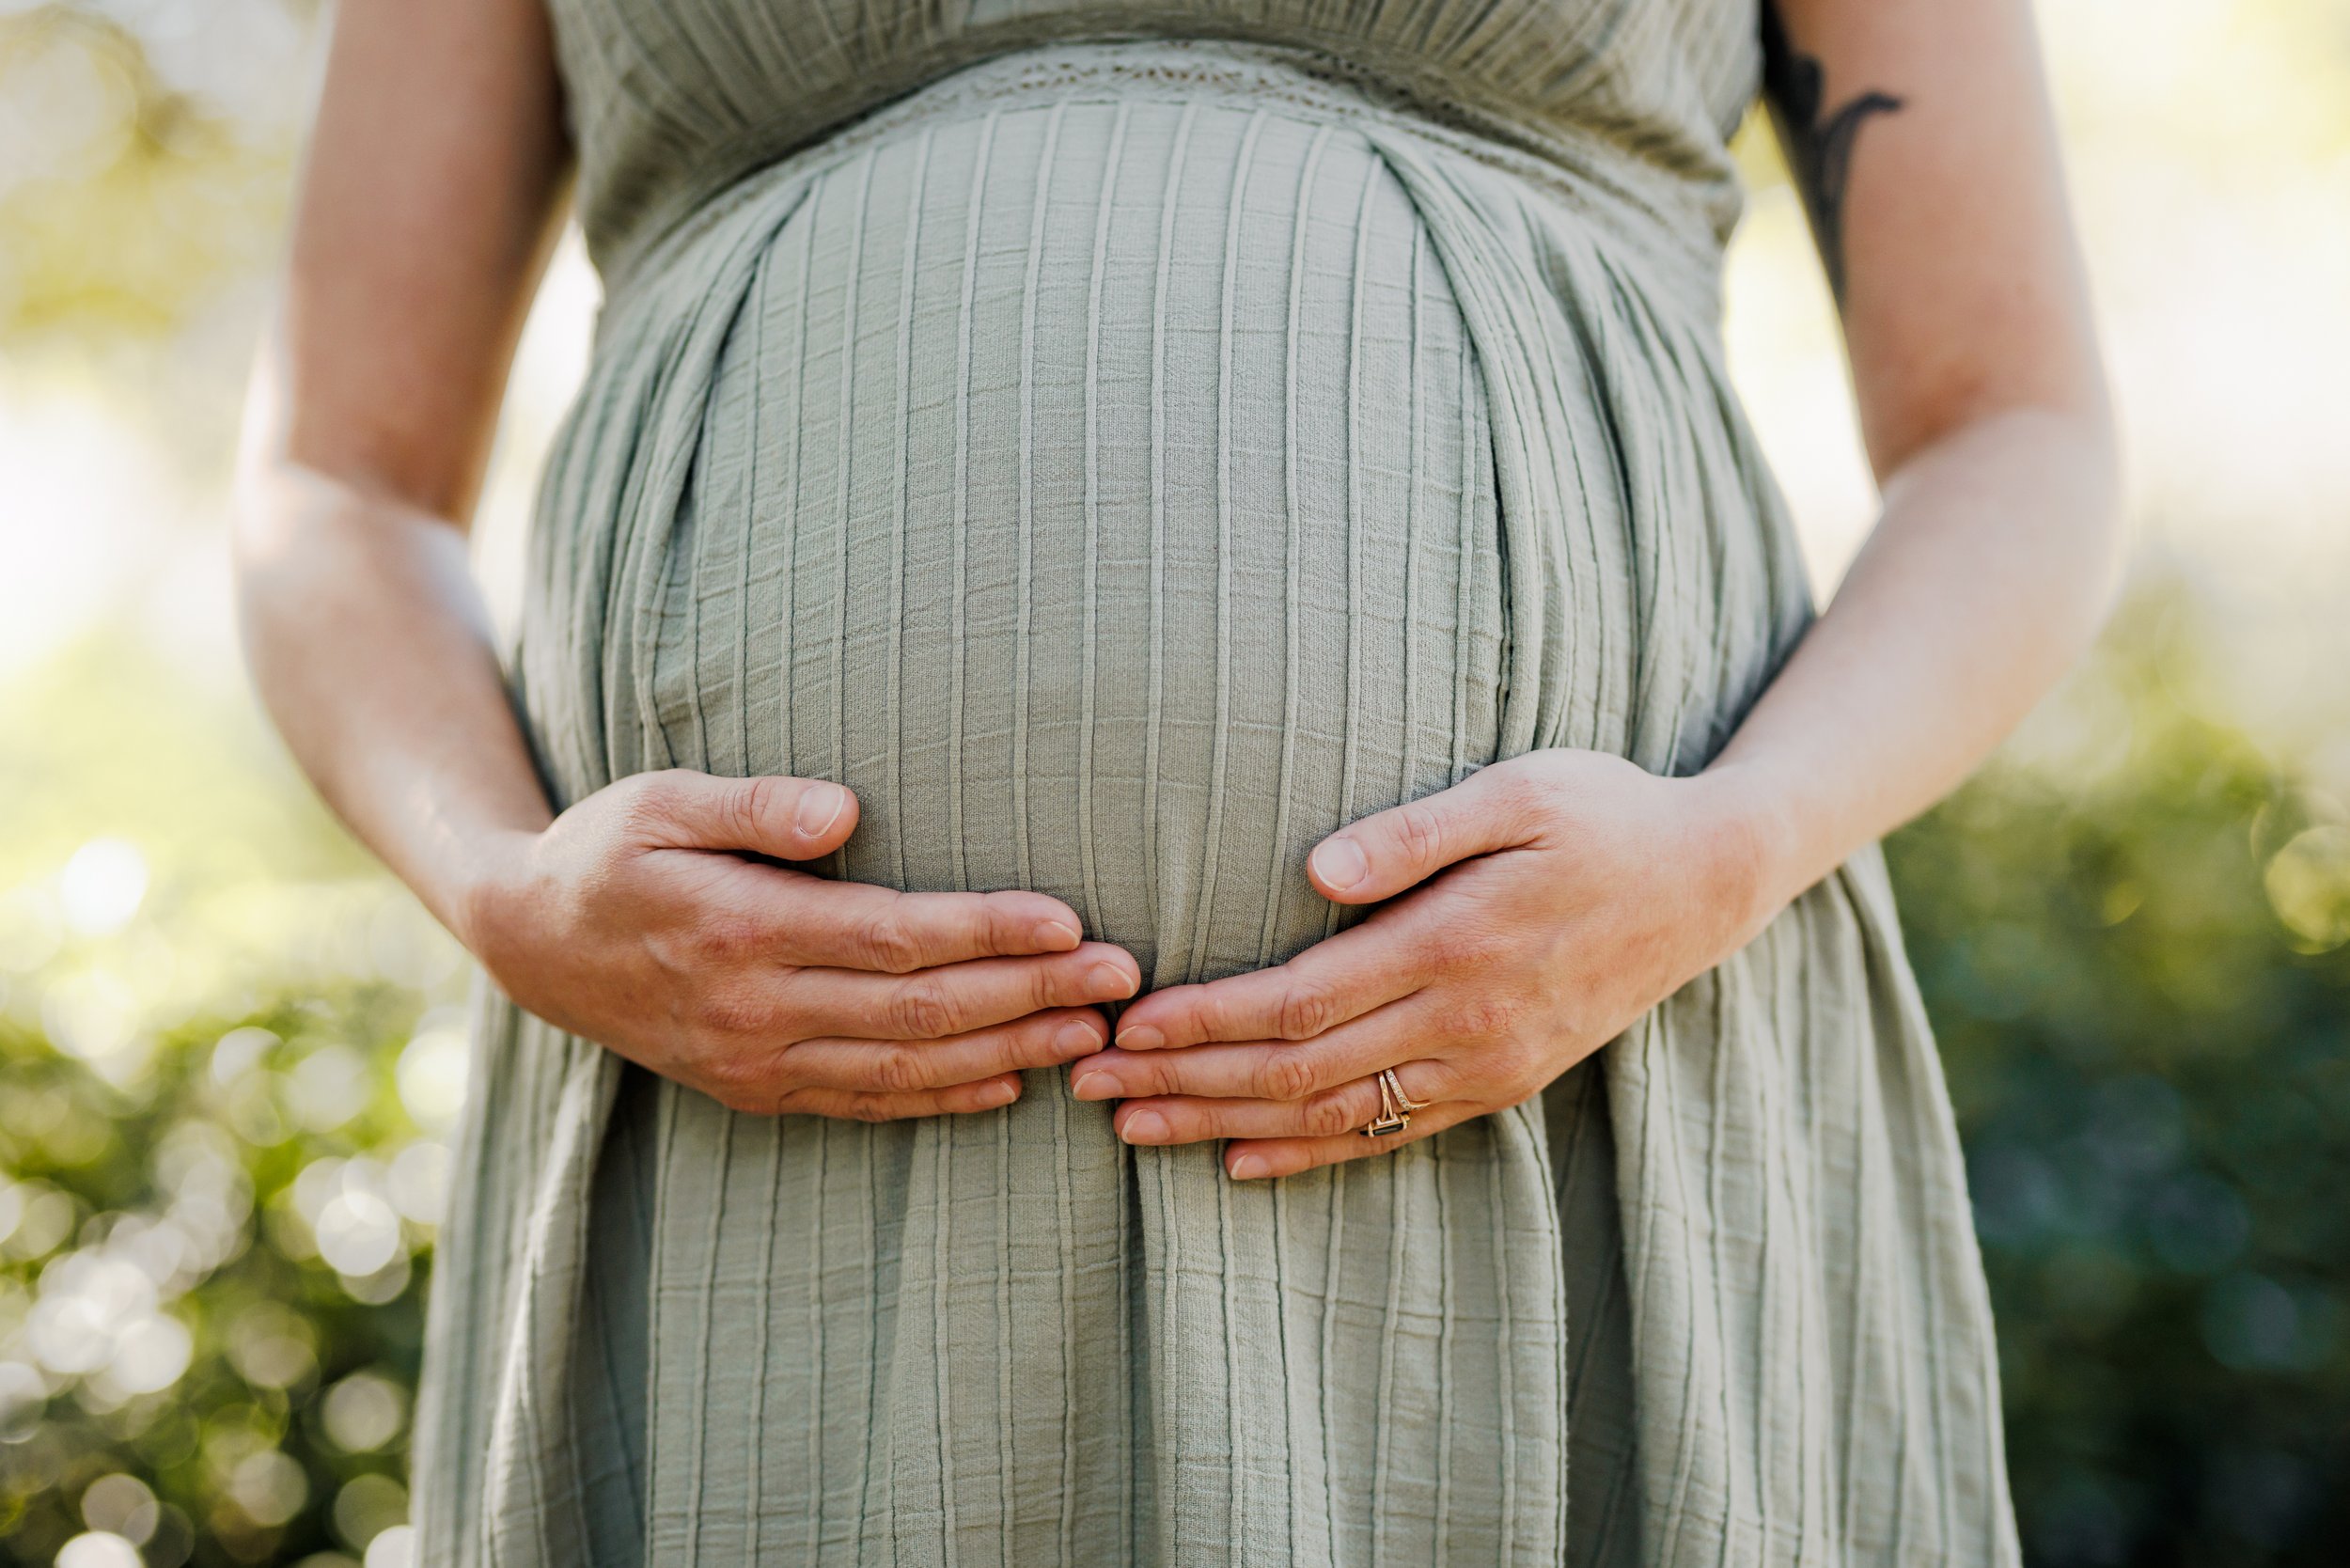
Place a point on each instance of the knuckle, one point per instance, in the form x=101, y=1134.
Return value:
x=885, y=942
x=644, y=801
x=1198, y=1016
x=1327, y=1115
x=1306, y=1009
x=1420, y=828
x=1525, y=1067
x=752, y=802
x=1505, y=1071
x=1451, y=946
x=898, y=1069
x=921, y=1010
x=1487, y=1015
x=736, y=1082
x=1285, y=1075
x=1149, y=1077
x=1518, y=1090
x=1167, y=1078
x=732, y=1010
x=1529, y=797
x=994, y=924
x=654, y=788
x=724, y=1069
x=730, y=938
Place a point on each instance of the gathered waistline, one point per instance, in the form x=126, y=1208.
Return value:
x=1582, y=169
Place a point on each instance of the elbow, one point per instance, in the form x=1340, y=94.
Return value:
x=274, y=522
x=2103, y=506
x=2071, y=450
x=265, y=563
x=2038, y=482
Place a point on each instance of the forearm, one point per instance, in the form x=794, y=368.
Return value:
x=370, y=648
x=1988, y=573
x=430, y=194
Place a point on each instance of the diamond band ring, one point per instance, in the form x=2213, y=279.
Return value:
x=1395, y=1107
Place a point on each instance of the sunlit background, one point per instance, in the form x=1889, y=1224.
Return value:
x=229, y=1047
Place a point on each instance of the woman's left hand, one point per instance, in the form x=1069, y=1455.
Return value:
x=1548, y=900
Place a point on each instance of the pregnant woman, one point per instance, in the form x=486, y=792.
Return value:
x=1170, y=870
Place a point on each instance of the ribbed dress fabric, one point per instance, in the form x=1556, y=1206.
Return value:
x=1124, y=442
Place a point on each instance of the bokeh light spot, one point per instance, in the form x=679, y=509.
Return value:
x=433, y=1072
x=363, y=1412
x=417, y=1182
x=329, y=1087
x=270, y=1486
x=239, y=1051
x=102, y=887
x=151, y=1355
x=366, y=1507
x=358, y=1234
x=2309, y=886
x=121, y=1505
x=395, y=1548
x=99, y=1549
x=272, y=1346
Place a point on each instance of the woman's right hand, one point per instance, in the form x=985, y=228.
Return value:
x=646, y=918
x=652, y=917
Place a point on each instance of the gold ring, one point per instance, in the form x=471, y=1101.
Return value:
x=1403, y=1102
x=1395, y=1107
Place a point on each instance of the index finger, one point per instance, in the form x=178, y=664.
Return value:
x=1336, y=980
x=856, y=925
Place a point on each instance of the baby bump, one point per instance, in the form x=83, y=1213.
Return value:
x=1103, y=492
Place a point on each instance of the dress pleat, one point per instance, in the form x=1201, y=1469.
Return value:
x=1123, y=460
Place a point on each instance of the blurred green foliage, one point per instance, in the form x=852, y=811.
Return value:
x=148, y=158
x=226, y=1052
x=228, y=1049
x=2133, y=950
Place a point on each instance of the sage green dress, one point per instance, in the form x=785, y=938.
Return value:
x=1125, y=442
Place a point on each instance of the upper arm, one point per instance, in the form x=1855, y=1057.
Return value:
x=1921, y=135
x=426, y=203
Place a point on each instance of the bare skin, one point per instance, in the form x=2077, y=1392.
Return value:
x=650, y=915
x=1543, y=905
x=1535, y=910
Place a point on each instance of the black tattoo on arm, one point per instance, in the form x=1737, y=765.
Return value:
x=1819, y=150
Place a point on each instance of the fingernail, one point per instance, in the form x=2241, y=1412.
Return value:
x=1341, y=863
x=999, y=1094
x=1247, y=1166
x=1147, y=1126
x=1140, y=1037
x=1112, y=979
x=1096, y=1085
x=1078, y=1037
x=820, y=808
x=1055, y=934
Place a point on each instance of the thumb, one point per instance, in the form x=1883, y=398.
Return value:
x=791, y=819
x=1404, y=845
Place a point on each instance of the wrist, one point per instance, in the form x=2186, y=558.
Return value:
x=493, y=874
x=1756, y=842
